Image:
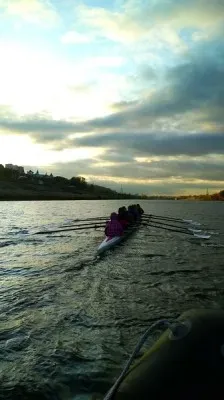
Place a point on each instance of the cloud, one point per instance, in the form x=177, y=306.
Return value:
x=73, y=37
x=123, y=105
x=160, y=22
x=168, y=169
x=41, y=129
x=193, y=90
x=191, y=97
x=117, y=156
x=153, y=188
x=37, y=124
x=105, y=23
x=31, y=11
x=191, y=12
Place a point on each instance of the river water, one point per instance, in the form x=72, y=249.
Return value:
x=69, y=320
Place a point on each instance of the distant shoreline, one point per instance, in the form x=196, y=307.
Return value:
x=47, y=197
x=12, y=191
x=63, y=197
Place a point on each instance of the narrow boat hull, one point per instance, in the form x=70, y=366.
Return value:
x=109, y=243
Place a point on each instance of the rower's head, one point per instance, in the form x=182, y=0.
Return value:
x=113, y=216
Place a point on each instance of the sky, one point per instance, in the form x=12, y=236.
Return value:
x=126, y=93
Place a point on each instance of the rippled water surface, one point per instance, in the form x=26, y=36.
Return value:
x=69, y=320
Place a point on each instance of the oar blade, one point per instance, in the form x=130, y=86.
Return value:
x=202, y=236
x=194, y=230
x=195, y=223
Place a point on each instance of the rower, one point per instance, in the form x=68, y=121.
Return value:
x=131, y=214
x=114, y=227
x=134, y=211
x=123, y=217
x=140, y=209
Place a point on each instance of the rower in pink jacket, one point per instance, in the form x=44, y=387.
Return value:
x=113, y=227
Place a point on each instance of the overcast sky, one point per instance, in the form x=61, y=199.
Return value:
x=122, y=92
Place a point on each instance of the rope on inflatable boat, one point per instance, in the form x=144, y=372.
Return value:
x=159, y=324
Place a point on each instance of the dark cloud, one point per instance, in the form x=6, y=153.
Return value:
x=147, y=73
x=168, y=144
x=36, y=124
x=118, y=156
x=41, y=129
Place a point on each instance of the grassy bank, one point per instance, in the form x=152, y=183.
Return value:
x=31, y=191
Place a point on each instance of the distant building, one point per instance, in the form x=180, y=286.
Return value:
x=15, y=168
x=38, y=176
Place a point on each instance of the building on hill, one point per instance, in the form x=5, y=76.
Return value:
x=38, y=175
x=15, y=168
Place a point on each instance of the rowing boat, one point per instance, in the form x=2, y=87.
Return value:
x=109, y=242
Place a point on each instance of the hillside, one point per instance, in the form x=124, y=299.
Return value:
x=57, y=188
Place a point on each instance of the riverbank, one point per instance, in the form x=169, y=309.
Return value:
x=15, y=191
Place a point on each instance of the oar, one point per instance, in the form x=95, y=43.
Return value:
x=90, y=219
x=174, y=226
x=76, y=225
x=83, y=226
x=71, y=229
x=186, y=232
x=168, y=218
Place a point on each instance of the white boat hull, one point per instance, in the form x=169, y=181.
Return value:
x=108, y=243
